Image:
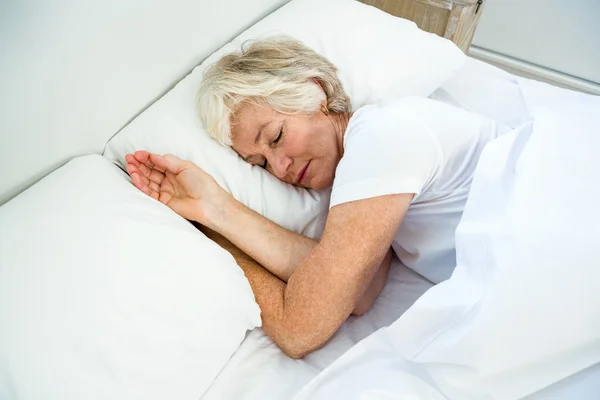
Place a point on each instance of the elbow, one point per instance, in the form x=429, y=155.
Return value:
x=296, y=349
x=298, y=345
x=295, y=353
x=361, y=309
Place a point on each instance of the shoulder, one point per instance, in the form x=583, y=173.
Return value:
x=391, y=125
x=401, y=108
x=398, y=118
x=388, y=149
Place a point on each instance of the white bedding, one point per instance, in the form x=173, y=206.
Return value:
x=520, y=316
x=259, y=370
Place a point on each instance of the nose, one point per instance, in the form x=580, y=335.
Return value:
x=279, y=164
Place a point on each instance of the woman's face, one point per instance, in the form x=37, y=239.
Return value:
x=303, y=150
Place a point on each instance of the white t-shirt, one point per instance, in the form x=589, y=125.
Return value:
x=419, y=146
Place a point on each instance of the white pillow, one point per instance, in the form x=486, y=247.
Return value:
x=486, y=90
x=108, y=294
x=379, y=57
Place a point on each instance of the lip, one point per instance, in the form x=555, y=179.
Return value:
x=302, y=173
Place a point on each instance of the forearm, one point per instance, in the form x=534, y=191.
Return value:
x=274, y=247
x=268, y=292
x=328, y=283
x=279, y=303
x=375, y=287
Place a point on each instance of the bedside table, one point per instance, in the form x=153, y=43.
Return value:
x=455, y=20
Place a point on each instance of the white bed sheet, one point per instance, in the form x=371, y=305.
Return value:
x=259, y=370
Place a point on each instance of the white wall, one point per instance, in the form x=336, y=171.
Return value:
x=73, y=72
x=561, y=35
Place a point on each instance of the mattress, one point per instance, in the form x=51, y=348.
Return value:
x=259, y=370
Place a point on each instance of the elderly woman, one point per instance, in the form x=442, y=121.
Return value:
x=400, y=175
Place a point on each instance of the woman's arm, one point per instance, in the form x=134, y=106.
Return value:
x=301, y=316
x=327, y=284
x=375, y=287
x=323, y=291
x=276, y=248
x=249, y=266
x=195, y=195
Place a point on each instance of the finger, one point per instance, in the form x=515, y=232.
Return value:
x=130, y=159
x=143, y=175
x=144, y=157
x=138, y=182
x=167, y=162
x=143, y=168
x=152, y=174
x=154, y=186
x=150, y=161
x=154, y=195
x=151, y=189
x=157, y=176
x=132, y=169
x=165, y=197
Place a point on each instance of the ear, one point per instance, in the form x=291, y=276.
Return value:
x=324, y=108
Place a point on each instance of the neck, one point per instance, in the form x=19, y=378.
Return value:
x=340, y=124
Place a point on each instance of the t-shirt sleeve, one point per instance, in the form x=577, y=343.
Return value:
x=386, y=151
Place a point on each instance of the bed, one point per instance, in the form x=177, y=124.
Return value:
x=280, y=377
x=88, y=311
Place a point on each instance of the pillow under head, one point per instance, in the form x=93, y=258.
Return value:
x=378, y=56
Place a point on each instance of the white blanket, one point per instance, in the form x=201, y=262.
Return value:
x=520, y=316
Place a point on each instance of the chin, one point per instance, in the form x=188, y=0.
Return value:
x=321, y=184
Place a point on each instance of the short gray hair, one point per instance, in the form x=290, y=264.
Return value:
x=278, y=72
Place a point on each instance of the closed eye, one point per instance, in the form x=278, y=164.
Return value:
x=265, y=164
x=278, y=138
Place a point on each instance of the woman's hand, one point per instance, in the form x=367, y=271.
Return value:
x=179, y=184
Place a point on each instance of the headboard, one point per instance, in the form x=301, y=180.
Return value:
x=74, y=72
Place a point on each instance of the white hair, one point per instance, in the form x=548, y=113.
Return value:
x=278, y=72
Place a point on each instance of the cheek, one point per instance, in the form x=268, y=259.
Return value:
x=324, y=173
x=296, y=145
